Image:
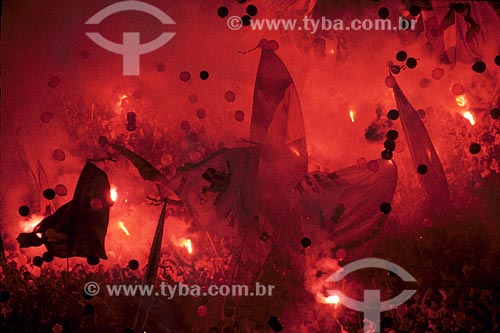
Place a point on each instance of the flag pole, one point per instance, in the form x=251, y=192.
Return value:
x=151, y=271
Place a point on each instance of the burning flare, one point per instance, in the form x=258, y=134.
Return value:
x=470, y=117
x=124, y=228
x=333, y=299
x=352, y=115
x=186, y=243
x=113, y=193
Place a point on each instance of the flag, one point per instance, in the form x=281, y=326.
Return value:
x=218, y=189
x=466, y=36
x=78, y=228
x=346, y=203
x=277, y=124
x=151, y=271
x=146, y=169
x=422, y=151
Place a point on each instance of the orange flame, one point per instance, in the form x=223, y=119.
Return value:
x=113, y=193
x=461, y=100
x=188, y=245
x=333, y=299
x=470, y=117
x=124, y=228
x=352, y=115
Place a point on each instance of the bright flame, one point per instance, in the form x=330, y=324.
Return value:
x=120, y=101
x=295, y=150
x=124, y=228
x=186, y=243
x=333, y=299
x=470, y=117
x=113, y=193
x=352, y=114
x=461, y=101
x=29, y=226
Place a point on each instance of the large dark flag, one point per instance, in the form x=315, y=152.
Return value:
x=78, y=228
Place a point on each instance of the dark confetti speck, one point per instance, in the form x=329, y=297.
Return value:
x=222, y=12
x=24, y=211
x=479, y=67
x=203, y=75
x=305, y=242
x=497, y=60
x=38, y=261
x=392, y=135
x=474, y=148
x=422, y=169
x=415, y=10
x=389, y=145
x=495, y=113
x=251, y=10
x=245, y=20
x=383, y=13
x=395, y=69
x=401, y=56
x=133, y=264
x=49, y=194
x=386, y=154
x=385, y=208
x=393, y=114
x=411, y=63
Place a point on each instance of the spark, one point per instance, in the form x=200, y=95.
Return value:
x=470, y=117
x=124, y=228
x=186, y=243
x=461, y=101
x=352, y=115
x=333, y=299
x=113, y=193
x=295, y=150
